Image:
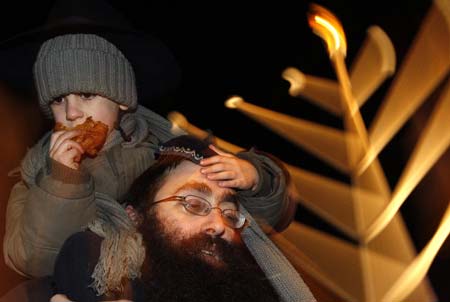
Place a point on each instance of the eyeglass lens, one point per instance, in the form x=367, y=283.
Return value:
x=199, y=206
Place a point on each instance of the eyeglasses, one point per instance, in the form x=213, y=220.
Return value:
x=201, y=207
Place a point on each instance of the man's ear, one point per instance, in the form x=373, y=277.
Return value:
x=134, y=216
x=123, y=107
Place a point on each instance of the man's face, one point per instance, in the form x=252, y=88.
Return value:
x=73, y=109
x=184, y=180
x=197, y=258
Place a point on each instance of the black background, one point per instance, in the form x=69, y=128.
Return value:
x=230, y=48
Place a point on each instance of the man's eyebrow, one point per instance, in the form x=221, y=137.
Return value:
x=197, y=186
x=205, y=189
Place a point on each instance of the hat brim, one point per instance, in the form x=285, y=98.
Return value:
x=156, y=69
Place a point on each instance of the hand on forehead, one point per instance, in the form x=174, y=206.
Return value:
x=186, y=178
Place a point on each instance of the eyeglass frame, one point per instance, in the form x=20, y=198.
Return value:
x=182, y=200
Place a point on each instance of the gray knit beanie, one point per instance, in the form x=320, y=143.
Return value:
x=84, y=63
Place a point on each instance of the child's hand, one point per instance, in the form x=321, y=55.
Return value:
x=64, y=150
x=230, y=171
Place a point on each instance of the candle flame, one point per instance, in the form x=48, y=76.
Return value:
x=327, y=26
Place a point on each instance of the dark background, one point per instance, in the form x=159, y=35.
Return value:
x=226, y=48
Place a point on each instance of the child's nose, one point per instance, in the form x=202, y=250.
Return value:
x=73, y=112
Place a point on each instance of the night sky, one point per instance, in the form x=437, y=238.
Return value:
x=227, y=48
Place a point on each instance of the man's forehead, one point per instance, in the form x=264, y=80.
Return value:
x=204, y=188
x=187, y=175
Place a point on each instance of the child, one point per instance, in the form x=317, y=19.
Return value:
x=78, y=76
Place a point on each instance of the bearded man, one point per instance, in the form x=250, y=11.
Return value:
x=186, y=245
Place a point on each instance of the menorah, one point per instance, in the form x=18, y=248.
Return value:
x=382, y=264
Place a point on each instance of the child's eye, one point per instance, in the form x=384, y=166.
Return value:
x=57, y=101
x=87, y=96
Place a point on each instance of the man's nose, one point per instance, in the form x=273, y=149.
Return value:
x=214, y=224
x=73, y=111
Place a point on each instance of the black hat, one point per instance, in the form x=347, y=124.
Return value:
x=188, y=146
x=157, y=72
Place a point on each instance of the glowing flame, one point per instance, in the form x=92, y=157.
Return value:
x=233, y=102
x=178, y=119
x=295, y=78
x=327, y=26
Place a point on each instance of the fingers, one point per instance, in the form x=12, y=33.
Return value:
x=232, y=183
x=229, y=170
x=67, y=153
x=55, y=135
x=64, y=150
x=213, y=168
x=225, y=175
x=229, y=179
x=227, y=158
x=59, y=137
x=220, y=163
x=66, y=146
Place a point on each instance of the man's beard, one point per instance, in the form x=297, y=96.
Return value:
x=199, y=268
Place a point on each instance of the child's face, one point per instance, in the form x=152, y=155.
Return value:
x=73, y=109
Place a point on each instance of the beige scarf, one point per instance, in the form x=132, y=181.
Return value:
x=122, y=251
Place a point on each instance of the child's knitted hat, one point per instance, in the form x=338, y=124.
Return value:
x=83, y=63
